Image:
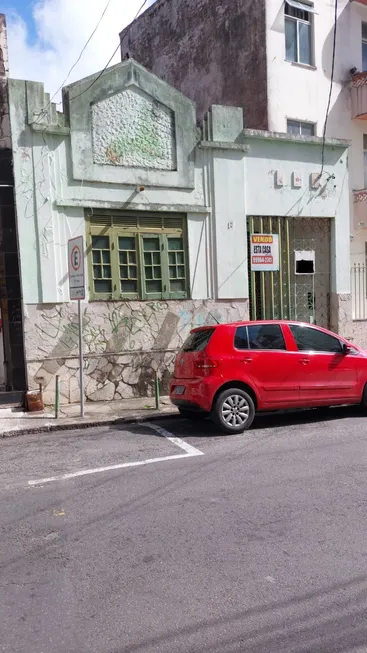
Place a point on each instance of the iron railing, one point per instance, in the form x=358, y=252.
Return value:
x=358, y=290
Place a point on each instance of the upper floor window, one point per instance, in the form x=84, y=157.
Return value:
x=364, y=46
x=137, y=257
x=298, y=32
x=300, y=128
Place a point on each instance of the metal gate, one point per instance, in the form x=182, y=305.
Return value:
x=288, y=293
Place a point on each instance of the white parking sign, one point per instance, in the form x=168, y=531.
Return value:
x=76, y=268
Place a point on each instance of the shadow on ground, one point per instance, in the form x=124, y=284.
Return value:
x=276, y=420
x=327, y=620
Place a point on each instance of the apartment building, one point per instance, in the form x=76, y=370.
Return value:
x=291, y=65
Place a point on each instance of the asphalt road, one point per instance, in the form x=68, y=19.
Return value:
x=258, y=545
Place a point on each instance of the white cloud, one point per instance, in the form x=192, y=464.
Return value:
x=62, y=29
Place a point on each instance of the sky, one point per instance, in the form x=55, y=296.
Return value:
x=45, y=37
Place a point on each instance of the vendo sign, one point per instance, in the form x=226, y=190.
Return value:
x=264, y=252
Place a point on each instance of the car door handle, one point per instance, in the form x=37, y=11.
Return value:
x=304, y=361
x=246, y=360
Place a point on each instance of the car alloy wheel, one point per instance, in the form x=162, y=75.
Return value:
x=235, y=410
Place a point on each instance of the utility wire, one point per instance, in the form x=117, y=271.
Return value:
x=331, y=87
x=110, y=59
x=42, y=113
x=77, y=61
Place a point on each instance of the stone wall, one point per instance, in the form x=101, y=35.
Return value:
x=341, y=316
x=360, y=333
x=342, y=323
x=125, y=344
x=214, y=52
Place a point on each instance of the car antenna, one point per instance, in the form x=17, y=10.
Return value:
x=213, y=316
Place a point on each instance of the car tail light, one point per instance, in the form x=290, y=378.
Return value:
x=206, y=365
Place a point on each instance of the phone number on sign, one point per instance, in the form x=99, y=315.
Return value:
x=268, y=260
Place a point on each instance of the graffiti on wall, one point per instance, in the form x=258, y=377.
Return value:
x=125, y=344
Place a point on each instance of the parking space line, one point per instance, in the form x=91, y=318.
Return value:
x=190, y=452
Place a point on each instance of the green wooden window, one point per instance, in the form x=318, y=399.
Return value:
x=128, y=264
x=137, y=257
x=102, y=271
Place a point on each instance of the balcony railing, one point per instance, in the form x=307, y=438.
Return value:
x=358, y=93
x=359, y=291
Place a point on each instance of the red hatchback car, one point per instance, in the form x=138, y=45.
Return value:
x=230, y=371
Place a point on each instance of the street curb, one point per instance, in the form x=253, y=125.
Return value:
x=79, y=426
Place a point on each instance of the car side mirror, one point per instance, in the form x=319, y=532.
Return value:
x=346, y=349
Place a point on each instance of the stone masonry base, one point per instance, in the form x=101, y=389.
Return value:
x=125, y=344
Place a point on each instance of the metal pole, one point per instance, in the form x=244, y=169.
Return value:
x=272, y=303
x=262, y=280
x=156, y=389
x=57, y=396
x=252, y=276
x=288, y=264
x=280, y=235
x=81, y=362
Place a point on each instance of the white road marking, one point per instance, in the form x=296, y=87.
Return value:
x=192, y=451
x=188, y=448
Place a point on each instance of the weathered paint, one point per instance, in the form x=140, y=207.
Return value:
x=214, y=52
x=227, y=175
x=132, y=131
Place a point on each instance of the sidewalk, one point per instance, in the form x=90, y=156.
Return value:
x=15, y=422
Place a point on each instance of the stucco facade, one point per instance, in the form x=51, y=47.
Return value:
x=84, y=172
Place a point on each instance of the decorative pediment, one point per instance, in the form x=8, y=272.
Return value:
x=131, y=129
x=128, y=127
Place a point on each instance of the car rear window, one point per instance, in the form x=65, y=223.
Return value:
x=198, y=340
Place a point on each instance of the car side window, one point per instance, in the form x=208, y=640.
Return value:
x=259, y=336
x=241, y=338
x=308, y=339
x=266, y=336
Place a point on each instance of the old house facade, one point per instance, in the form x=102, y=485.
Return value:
x=165, y=210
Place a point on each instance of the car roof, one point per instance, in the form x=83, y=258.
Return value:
x=254, y=323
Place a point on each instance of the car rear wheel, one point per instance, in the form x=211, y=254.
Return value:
x=233, y=411
x=364, y=398
x=192, y=414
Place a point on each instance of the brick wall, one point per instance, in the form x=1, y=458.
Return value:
x=214, y=52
